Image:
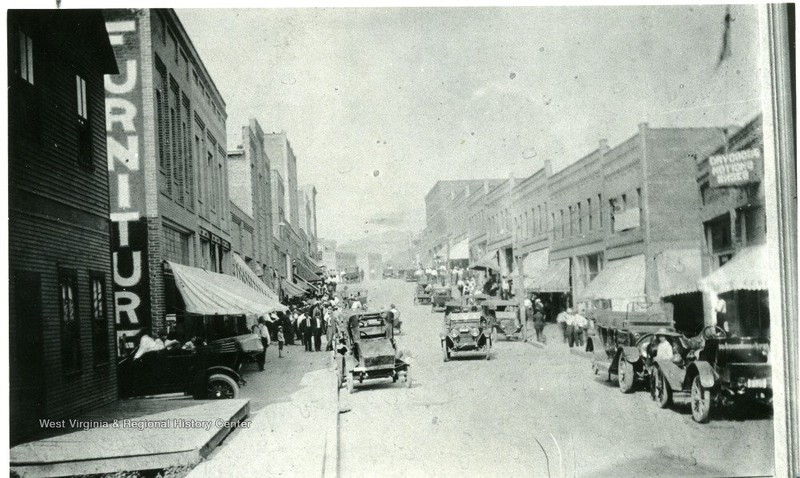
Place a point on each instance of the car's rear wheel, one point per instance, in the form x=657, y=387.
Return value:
x=625, y=375
x=221, y=386
x=662, y=392
x=701, y=401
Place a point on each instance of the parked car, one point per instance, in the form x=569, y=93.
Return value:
x=441, y=295
x=208, y=372
x=616, y=337
x=503, y=315
x=714, y=369
x=466, y=332
x=423, y=296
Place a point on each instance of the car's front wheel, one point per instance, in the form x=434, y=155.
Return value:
x=220, y=386
x=662, y=393
x=625, y=375
x=701, y=401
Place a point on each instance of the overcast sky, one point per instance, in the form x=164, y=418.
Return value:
x=379, y=104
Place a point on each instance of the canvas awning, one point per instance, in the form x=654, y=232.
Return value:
x=304, y=270
x=678, y=271
x=489, y=261
x=621, y=279
x=747, y=270
x=210, y=293
x=554, y=278
x=533, y=264
x=293, y=290
x=245, y=274
x=460, y=250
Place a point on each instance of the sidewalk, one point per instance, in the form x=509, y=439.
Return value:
x=296, y=436
x=141, y=434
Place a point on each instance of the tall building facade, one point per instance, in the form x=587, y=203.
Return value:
x=250, y=188
x=167, y=161
x=61, y=330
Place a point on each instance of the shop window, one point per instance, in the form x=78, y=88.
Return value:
x=25, y=61
x=100, y=346
x=718, y=234
x=70, y=321
x=589, y=209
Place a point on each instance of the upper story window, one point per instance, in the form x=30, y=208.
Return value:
x=70, y=321
x=25, y=64
x=85, y=144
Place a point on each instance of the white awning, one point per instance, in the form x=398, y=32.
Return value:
x=535, y=263
x=293, y=290
x=621, y=279
x=747, y=270
x=678, y=271
x=460, y=250
x=210, y=293
x=244, y=273
x=554, y=278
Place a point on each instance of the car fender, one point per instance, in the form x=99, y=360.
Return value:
x=203, y=375
x=708, y=377
x=631, y=354
x=674, y=374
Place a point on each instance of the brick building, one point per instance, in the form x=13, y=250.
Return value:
x=61, y=329
x=250, y=188
x=167, y=160
x=734, y=230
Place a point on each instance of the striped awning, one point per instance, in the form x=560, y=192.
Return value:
x=554, y=278
x=678, y=271
x=293, y=290
x=245, y=274
x=621, y=279
x=747, y=270
x=210, y=293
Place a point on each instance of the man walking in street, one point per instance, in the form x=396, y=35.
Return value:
x=317, y=326
x=263, y=334
x=561, y=320
x=307, y=331
x=581, y=324
x=570, y=327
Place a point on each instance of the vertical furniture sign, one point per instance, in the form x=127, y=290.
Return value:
x=126, y=179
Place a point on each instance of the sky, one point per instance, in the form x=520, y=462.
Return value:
x=379, y=104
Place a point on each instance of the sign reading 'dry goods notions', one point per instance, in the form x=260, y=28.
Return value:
x=735, y=168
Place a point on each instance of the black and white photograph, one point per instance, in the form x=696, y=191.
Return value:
x=400, y=240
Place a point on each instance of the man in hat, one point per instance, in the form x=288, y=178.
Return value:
x=561, y=319
x=263, y=334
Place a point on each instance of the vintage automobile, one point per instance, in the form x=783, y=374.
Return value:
x=411, y=277
x=616, y=337
x=466, y=332
x=422, y=296
x=713, y=368
x=440, y=296
x=503, y=316
x=208, y=372
x=373, y=352
x=388, y=273
x=353, y=294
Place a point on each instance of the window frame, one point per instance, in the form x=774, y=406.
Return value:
x=71, y=275
x=84, y=123
x=29, y=75
x=99, y=277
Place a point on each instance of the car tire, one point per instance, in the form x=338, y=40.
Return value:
x=662, y=392
x=701, y=401
x=625, y=375
x=221, y=386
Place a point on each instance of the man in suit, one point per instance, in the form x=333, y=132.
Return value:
x=317, y=325
x=307, y=331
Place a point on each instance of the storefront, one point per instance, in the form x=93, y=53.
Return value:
x=548, y=281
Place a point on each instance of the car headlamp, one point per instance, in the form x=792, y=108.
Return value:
x=454, y=333
x=475, y=331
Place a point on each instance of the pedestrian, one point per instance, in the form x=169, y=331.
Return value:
x=538, y=325
x=263, y=334
x=570, y=321
x=281, y=341
x=561, y=320
x=308, y=332
x=317, y=326
x=505, y=289
x=581, y=324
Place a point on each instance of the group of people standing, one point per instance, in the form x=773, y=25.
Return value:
x=574, y=326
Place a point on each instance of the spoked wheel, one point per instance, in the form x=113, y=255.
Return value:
x=701, y=401
x=625, y=375
x=221, y=386
x=660, y=390
x=350, y=383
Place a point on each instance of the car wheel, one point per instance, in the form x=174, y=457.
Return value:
x=350, y=383
x=662, y=392
x=701, y=401
x=625, y=375
x=221, y=386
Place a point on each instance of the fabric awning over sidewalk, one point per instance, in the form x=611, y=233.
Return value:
x=292, y=290
x=210, y=293
x=244, y=273
x=747, y=270
x=621, y=279
x=460, y=250
x=489, y=261
x=678, y=271
x=554, y=278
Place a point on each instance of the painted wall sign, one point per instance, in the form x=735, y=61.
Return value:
x=126, y=178
x=736, y=168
